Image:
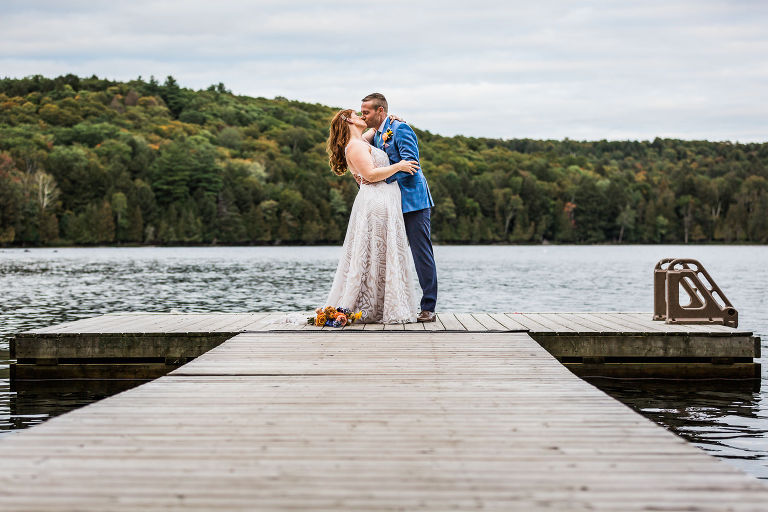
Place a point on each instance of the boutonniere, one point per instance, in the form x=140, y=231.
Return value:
x=387, y=135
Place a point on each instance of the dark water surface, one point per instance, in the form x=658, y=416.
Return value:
x=41, y=287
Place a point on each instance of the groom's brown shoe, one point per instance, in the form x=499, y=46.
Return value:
x=427, y=316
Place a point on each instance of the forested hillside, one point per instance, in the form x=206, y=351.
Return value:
x=91, y=161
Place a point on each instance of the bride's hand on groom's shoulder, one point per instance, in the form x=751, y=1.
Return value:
x=393, y=117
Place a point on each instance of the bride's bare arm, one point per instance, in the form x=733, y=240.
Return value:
x=359, y=160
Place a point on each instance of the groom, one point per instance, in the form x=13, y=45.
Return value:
x=399, y=142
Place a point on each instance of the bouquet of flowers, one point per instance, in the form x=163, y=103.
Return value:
x=333, y=317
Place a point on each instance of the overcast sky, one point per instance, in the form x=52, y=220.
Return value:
x=692, y=69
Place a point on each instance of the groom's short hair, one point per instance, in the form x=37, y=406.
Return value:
x=378, y=100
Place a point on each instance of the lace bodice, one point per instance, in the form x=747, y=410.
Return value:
x=379, y=158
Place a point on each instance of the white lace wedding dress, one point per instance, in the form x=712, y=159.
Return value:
x=376, y=273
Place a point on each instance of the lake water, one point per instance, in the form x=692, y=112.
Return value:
x=40, y=287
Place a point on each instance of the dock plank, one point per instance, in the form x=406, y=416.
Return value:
x=624, y=337
x=564, y=322
x=435, y=326
x=415, y=326
x=262, y=322
x=489, y=322
x=555, y=321
x=532, y=325
x=103, y=323
x=609, y=325
x=169, y=322
x=365, y=421
x=210, y=322
x=162, y=323
x=238, y=322
x=645, y=319
x=450, y=322
x=578, y=323
x=647, y=322
x=158, y=323
x=357, y=326
x=507, y=321
x=54, y=328
x=646, y=327
x=470, y=323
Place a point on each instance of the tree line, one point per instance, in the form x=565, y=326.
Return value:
x=94, y=161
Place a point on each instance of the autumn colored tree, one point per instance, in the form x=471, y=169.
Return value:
x=85, y=160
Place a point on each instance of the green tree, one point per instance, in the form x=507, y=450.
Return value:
x=626, y=220
x=174, y=96
x=183, y=167
x=208, y=166
x=119, y=205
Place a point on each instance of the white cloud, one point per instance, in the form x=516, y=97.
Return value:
x=546, y=69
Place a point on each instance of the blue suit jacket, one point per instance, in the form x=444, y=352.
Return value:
x=403, y=145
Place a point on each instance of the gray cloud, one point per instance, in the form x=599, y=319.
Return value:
x=546, y=69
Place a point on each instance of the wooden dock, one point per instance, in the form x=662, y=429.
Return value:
x=366, y=419
x=626, y=345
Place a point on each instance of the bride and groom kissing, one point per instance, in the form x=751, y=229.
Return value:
x=387, y=243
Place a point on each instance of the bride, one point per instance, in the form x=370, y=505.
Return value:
x=376, y=274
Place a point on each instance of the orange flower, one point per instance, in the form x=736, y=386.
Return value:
x=330, y=312
x=342, y=319
x=320, y=320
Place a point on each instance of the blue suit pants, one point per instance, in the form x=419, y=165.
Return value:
x=418, y=229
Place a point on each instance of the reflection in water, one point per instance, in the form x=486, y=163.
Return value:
x=31, y=402
x=42, y=287
x=724, y=418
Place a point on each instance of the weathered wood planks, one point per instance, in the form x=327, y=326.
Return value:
x=575, y=338
x=365, y=421
x=560, y=323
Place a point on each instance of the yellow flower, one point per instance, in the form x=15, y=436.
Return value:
x=320, y=320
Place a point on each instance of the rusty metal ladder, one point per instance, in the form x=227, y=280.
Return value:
x=672, y=274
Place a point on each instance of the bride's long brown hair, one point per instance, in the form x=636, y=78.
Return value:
x=337, y=140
